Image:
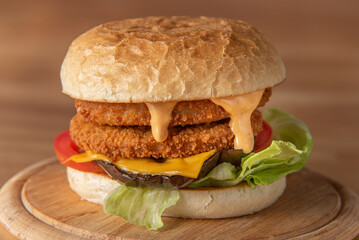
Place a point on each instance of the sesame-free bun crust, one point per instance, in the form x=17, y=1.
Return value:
x=169, y=59
x=193, y=203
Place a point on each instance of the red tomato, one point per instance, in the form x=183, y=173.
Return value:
x=65, y=148
x=264, y=138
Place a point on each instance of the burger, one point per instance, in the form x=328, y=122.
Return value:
x=168, y=120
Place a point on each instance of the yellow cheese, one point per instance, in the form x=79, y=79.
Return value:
x=87, y=157
x=188, y=167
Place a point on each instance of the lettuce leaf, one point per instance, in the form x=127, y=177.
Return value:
x=287, y=154
x=141, y=206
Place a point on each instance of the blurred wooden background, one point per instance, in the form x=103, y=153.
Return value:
x=319, y=41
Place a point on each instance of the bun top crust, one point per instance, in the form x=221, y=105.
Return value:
x=159, y=59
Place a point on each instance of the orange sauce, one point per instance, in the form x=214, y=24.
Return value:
x=240, y=108
x=161, y=115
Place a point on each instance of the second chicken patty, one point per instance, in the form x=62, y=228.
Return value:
x=138, y=142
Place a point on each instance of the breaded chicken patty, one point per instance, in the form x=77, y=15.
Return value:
x=137, y=114
x=138, y=142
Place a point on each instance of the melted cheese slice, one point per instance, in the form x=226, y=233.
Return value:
x=188, y=167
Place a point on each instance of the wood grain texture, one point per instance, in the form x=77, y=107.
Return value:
x=348, y=216
x=319, y=42
x=16, y=219
x=4, y=234
x=315, y=208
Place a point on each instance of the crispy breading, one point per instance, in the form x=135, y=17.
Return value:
x=137, y=114
x=138, y=142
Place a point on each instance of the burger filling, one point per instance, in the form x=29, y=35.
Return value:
x=130, y=149
x=206, y=143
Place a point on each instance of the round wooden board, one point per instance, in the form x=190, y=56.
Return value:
x=38, y=204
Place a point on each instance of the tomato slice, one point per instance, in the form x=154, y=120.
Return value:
x=65, y=148
x=264, y=138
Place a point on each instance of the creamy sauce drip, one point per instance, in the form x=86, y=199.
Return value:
x=161, y=115
x=240, y=108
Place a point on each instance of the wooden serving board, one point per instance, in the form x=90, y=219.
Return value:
x=37, y=203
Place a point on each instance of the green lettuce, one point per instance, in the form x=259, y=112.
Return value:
x=288, y=153
x=141, y=206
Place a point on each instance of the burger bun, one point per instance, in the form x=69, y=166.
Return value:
x=200, y=203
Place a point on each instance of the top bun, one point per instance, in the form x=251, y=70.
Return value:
x=159, y=59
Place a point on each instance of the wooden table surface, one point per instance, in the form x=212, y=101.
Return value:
x=318, y=40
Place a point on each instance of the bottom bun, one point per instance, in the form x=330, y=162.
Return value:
x=193, y=203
